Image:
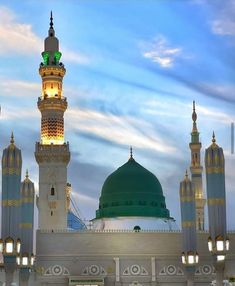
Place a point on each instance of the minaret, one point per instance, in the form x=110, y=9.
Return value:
x=52, y=153
x=11, y=177
x=218, y=243
x=188, y=217
x=196, y=172
x=27, y=193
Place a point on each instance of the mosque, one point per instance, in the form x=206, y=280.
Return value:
x=133, y=240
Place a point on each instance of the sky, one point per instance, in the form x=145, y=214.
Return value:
x=133, y=69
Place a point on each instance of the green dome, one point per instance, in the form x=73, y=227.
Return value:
x=132, y=191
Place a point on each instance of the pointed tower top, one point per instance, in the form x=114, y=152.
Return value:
x=186, y=175
x=213, y=137
x=27, y=174
x=194, y=114
x=51, y=21
x=131, y=153
x=51, y=31
x=12, y=138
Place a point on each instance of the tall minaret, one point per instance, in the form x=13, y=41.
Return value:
x=11, y=177
x=196, y=172
x=52, y=153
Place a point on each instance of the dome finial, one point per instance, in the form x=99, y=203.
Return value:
x=27, y=174
x=131, y=153
x=12, y=138
x=213, y=137
x=186, y=175
x=51, y=21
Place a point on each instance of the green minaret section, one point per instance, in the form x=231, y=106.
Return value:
x=51, y=54
x=196, y=170
x=132, y=190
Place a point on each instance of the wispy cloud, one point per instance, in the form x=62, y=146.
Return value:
x=19, y=88
x=74, y=57
x=224, y=23
x=19, y=38
x=15, y=36
x=17, y=113
x=123, y=130
x=181, y=110
x=161, y=52
x=223, y=27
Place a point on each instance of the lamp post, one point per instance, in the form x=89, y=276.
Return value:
x=218, y=242
x=188, y=218
x=25, y=262
x=10, y=250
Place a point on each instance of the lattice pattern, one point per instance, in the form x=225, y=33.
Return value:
x=52, y=128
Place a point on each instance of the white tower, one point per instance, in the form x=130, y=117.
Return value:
x=52, y=153
x=196, y=172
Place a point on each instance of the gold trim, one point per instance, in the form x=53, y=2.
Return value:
x=216, y=170
x=187, y=199
x=16, y=203
x=213, y=202
x=26, y=225
x=11, y=203
x=27, y=200
x=188, y=223
x=11, y=171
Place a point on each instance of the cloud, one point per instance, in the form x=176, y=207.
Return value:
x=224, y=24
x=19, y=38
x=74, y=57
x=160, y=52
x=16, y=37
x=123, y=130
x=223, y=27
x=15, y=113
x=19, y=88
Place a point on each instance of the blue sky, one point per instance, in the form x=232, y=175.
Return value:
x=133, y=70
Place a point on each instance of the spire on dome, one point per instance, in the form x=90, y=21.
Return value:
x=186, y=175
x=131, y=153
x=12, y=138
x=27, y=174
x=213, y=137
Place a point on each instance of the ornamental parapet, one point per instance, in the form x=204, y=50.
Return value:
x=52, y=153
x=47, y=70
x=52, y=103
x=108, y=231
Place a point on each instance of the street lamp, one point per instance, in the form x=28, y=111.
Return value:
x=25, y=260
x=25, y=263
x=219, y=245
x=9, y=249
x=9, y=246
x=190, y=258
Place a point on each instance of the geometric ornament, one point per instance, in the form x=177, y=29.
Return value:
x=134, y=270
x=94, y=270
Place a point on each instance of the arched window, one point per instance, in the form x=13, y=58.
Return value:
x=52, y=191
x=137, y=228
